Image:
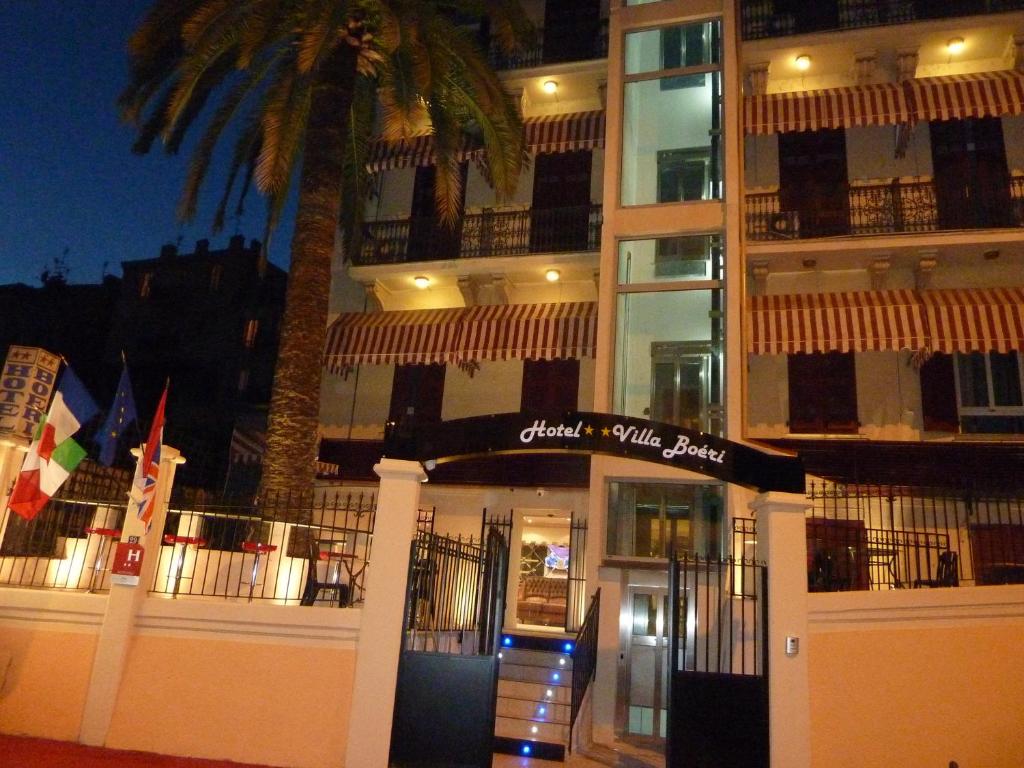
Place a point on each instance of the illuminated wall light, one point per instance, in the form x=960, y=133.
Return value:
x=533, y=729
x=561, y=662
x=568, y=647
x=526, y=749
x=802, y=62
x=955, y=45
x=506, y=641
x=501, y=655
x=550, y=86
x=552, y=275
x=542, y=711
x=556, y=677
x=549, y=693
x=420, y=281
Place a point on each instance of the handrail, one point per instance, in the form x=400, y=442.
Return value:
x=584, y=659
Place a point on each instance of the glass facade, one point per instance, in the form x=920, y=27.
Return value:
x=655, y=519
x=672, y=115
x=669, y=332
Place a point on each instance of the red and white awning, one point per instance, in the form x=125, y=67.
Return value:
x=975, y=319
x=498, y=332
x=880, y=104
x=541, y=135
x=858, y=321
x=984, y=94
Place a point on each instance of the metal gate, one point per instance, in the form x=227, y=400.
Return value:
x=448, y=670
x=718, y=681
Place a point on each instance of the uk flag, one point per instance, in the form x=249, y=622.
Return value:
x=147, y=472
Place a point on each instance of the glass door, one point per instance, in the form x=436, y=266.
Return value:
x=643, y=684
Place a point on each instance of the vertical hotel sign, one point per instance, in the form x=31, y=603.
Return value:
x=26, y=385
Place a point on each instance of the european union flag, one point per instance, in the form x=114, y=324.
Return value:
x=122, y=413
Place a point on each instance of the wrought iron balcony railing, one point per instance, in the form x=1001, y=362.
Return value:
x=778, y=18
x=538, y=54
x=485, y=234
x=891, y=208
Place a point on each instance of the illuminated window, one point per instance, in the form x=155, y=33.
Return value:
x=251, y=329
x=145, y=285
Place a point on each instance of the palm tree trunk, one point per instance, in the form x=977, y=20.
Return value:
x=288, y=465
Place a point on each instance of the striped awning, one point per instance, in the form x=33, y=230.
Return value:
x=880, y=104
x=858, y=321
x=542, y=135
x=985, y=94
x=975, y=319
x=529, y=331
x=498, y=332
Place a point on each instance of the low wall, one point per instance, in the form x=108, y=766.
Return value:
x=917, y=678
x=237, y=681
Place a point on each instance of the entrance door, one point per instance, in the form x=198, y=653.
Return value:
x=560, y=215
x=643, y=681
x=429, y=239
x=542, y=543
x=972, y=183
x=813, y=181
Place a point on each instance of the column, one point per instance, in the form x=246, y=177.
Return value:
x=782, y=543
x=380, y=628
x=123, y=604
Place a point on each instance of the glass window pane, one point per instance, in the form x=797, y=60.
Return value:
x=973, y=379
x=684, y=516
x=1005, y=378
x=670, y=259
x=692, y=45
x=670, y=142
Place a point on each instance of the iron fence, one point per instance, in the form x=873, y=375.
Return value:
x=291, y=550
x=778, y=18
x=534, y=54
x=485, y=234
x=584, y=658
x=894, y=207
x=576, y=605
x=68, y=544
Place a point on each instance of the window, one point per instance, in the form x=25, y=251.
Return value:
x=145, y=285
x=671, y=143
x=216, y=272
x=813, y=181
x=252, y=327
x=417, y=393
x=652, y=519
x=973, y=393
x=989, y=389
x=822, y=393
x=550, y=386
x=669, y=331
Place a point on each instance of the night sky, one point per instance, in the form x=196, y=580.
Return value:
x=68, y=178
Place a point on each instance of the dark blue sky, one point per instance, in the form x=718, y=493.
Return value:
x=68, y=178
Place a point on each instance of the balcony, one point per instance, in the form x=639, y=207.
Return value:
x=492, y=232
x=778, y=18
x=541, y=54
x=890, y=208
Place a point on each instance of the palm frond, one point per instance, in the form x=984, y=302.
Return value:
x=284, y=114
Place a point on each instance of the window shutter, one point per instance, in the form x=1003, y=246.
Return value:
x=419, y=387
x=938, y=395
x=550, y=386
x=822, y=393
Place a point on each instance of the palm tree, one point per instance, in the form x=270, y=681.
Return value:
x=305, y=85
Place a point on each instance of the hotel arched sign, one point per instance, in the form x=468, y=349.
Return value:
x=595, y=433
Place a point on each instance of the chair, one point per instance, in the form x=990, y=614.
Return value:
x=336, y=589
x=946, y=574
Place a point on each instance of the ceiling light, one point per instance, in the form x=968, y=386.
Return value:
x=552, y=275
x=803, y=62
x=420, y=281
x=955, y=45
x=550, y=86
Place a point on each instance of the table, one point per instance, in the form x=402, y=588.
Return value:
x=185, y=541
x=256, y=548
x=105, y=534
x=336, y=561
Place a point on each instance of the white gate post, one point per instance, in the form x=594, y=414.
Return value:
x=123, y=603
x=380, y=628
x=782, y=543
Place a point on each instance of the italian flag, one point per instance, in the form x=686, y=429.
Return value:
x=53, y=454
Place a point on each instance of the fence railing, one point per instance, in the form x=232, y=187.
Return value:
x=534, y=55
x=68, y=545
x=286, y=549
x=777, y=18
x=718, y=620
x=485, y=234
x=895, y=207
x=584, y=658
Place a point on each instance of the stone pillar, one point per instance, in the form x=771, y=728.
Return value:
x=123, y=603
x=380, y=628
x=782, y=543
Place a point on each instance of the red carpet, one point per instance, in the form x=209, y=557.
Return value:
x=23, y=752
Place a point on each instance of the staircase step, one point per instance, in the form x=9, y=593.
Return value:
x=531, y=658
x=524, y=709
x=532, y=674
x=539, y=750
x=549, y=643
x=514, y=728
x=517, y=689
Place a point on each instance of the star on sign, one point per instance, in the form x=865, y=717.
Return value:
x=605, y=431
x=588, y=429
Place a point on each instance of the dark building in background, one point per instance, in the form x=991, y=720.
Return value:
x=209, y=322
